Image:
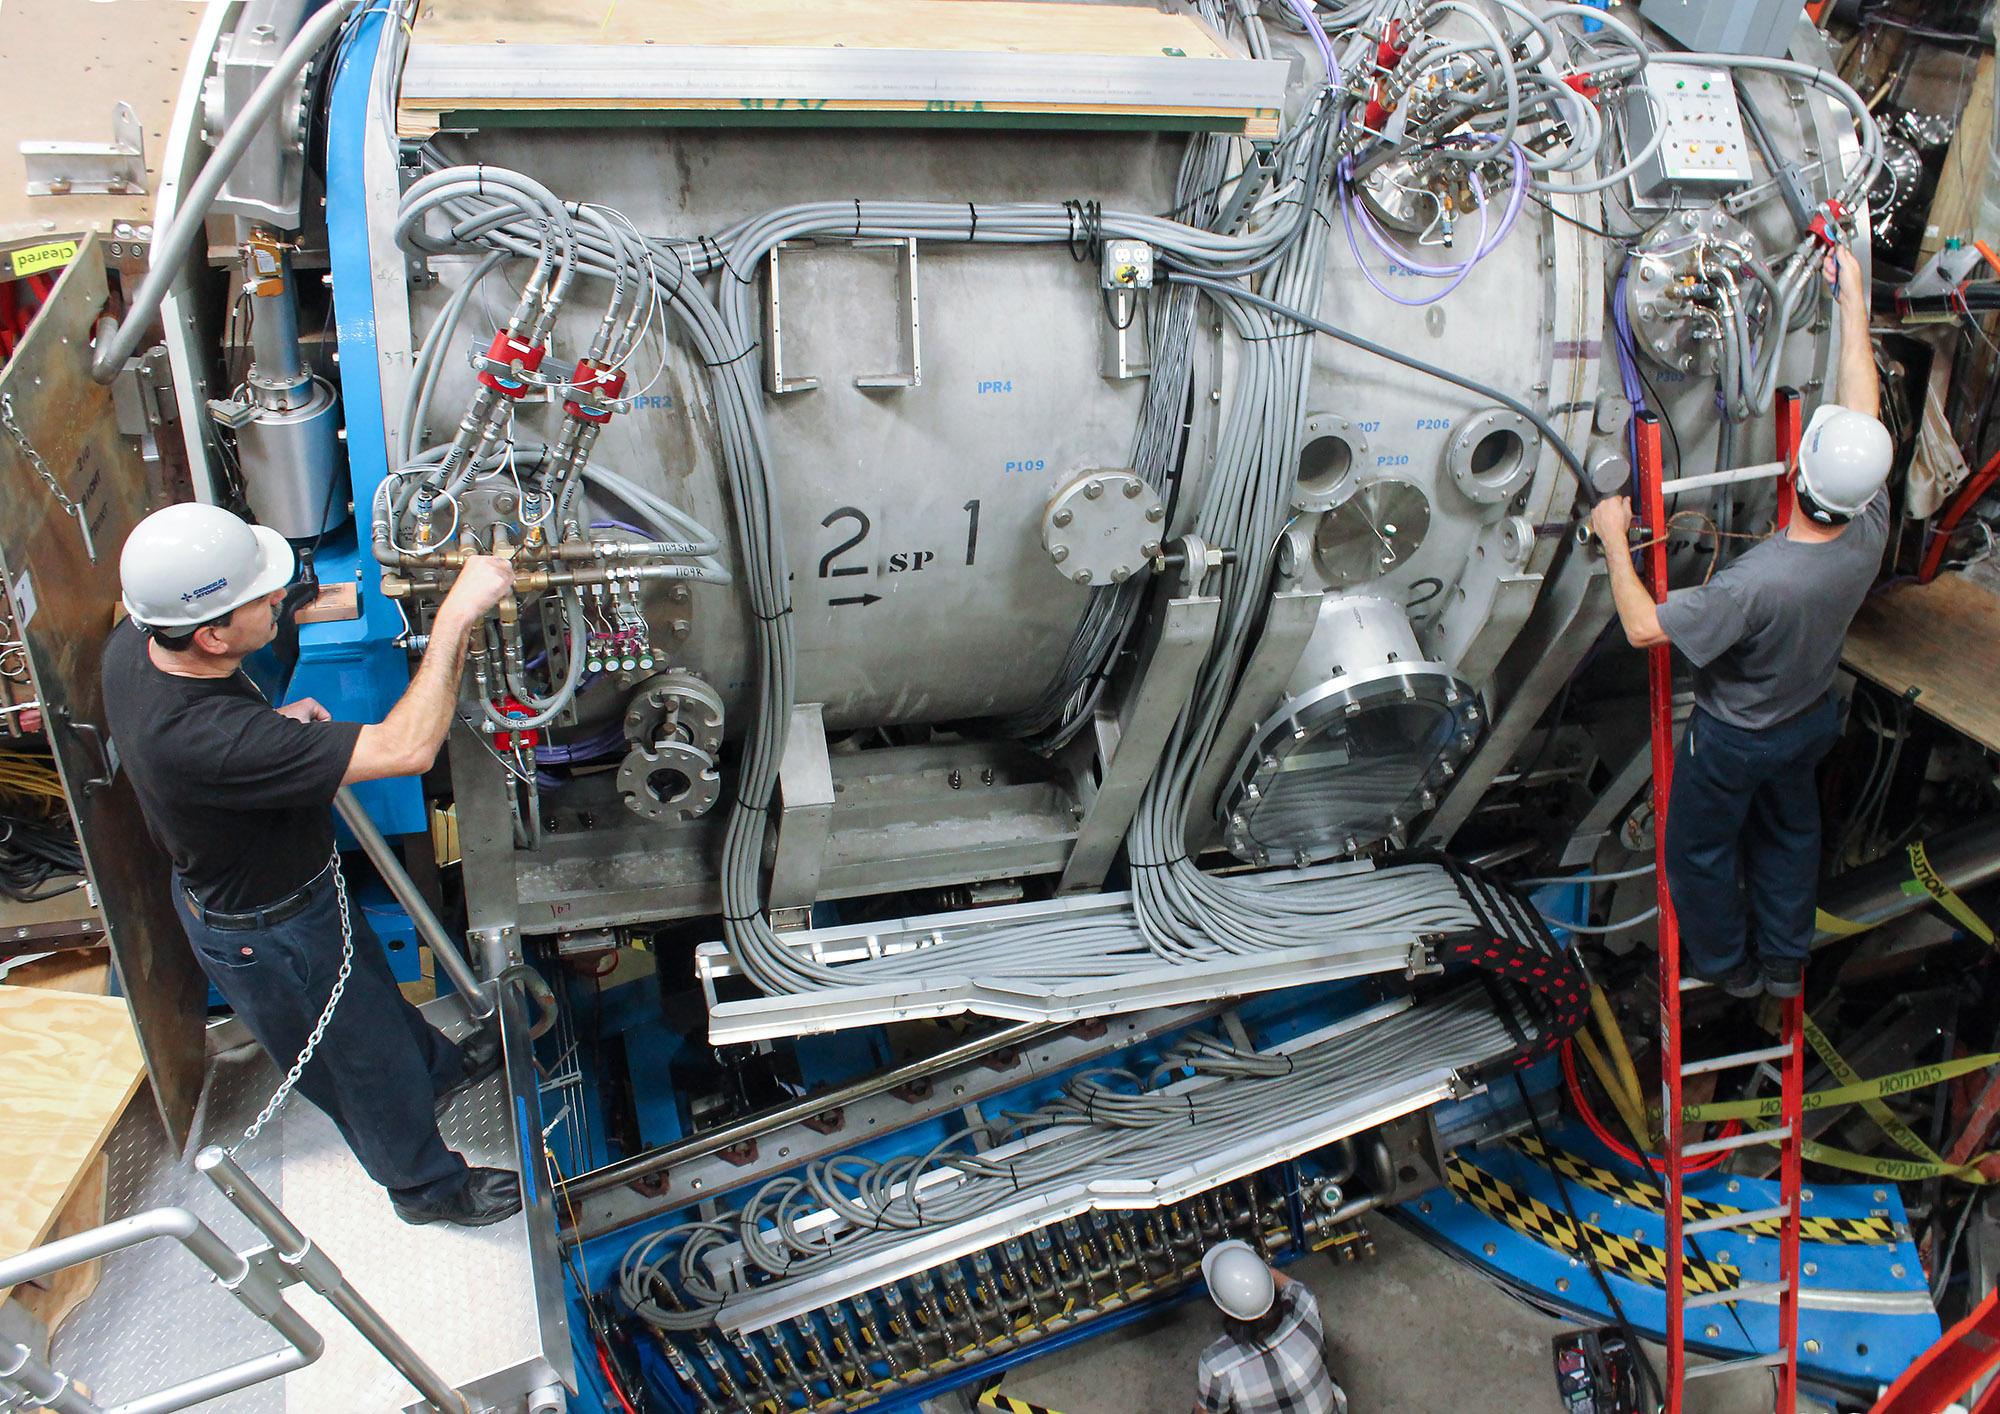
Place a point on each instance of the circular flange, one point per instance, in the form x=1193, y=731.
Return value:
x=1665, y=273
x=675, y=705
x=1334, y=451
x=1491, y=454
x=672, y=780
x=1356, y=761
x=1103, y=526
x=1370, y=533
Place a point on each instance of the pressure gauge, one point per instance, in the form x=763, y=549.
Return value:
x=1377, y=528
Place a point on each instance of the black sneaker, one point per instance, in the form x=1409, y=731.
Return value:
x=482, y=1058
x=489, y=1196
x=1785, y=978
x=1742, y=980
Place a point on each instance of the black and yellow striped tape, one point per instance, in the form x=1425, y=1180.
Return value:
x=1627, y=1256
x=991, y=1398
x=1874, y=1230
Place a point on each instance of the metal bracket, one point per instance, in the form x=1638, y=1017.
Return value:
x=774, y=326
x=906, y=293
x=805, y=799
x=115, y=168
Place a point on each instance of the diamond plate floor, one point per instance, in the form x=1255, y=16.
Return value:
x=463, y=1298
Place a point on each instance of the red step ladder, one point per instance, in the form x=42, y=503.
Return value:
x=1789, y=1133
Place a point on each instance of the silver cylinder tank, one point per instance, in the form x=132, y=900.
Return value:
x=293, y=472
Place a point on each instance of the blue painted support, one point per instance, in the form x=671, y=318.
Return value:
x=355, y=668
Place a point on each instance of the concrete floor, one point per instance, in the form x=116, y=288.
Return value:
x=1408, y=1332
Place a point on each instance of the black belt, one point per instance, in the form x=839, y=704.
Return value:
x=269, y=916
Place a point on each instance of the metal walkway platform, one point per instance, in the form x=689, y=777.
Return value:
x=483, y=1306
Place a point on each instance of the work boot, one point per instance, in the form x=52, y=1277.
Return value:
x=1785, y=977
x=489, y=1196
x=482, y=1058
x=1742, y=980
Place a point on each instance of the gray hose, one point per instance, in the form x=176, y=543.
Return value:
x=170, y=249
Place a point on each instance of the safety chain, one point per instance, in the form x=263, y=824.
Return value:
x=284, y=1090
x=70, y=508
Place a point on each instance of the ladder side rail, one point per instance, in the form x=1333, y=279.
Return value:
x=1660, y=701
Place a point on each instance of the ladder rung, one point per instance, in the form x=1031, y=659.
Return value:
x=1743, y=1219
x=1702, y=1067
x=1747, y=1362
x=1737, y=1141
x=1748, y=1291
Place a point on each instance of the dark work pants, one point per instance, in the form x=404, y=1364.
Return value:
x=1746, y=797
x=379, y=1068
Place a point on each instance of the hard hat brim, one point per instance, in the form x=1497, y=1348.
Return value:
x=280, y=565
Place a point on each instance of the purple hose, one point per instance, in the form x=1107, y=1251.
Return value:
x=1304, y=10
x=1352, y=211
x=621, y=525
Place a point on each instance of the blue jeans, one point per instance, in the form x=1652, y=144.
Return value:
x=1747, y=798
x=380, y=1066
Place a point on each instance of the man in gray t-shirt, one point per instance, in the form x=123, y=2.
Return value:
x=1764, y=637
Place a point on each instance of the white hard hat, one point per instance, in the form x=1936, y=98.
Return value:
x=1238, y=1279
x=190, y=563
x=1844, y=459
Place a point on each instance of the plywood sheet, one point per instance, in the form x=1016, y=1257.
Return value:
x=69, y=1064
x=1956, y=202
x=989, y=26
x=1940, y=638
x=66, y=65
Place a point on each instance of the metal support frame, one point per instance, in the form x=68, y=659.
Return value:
x=1574, y=606
x=1289, y=621
x=1153, y=701
x=753, y=1148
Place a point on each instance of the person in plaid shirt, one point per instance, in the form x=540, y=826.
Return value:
x=1269, y=1360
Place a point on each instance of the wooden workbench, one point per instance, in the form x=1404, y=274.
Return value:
x=69, y=1064
x=1943, y=639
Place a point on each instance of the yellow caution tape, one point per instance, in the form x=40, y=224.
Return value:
x=1925, y=1163
x=1924, y=879
x=1900, y=1083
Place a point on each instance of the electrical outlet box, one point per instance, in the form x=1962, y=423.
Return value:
x=1705, y=151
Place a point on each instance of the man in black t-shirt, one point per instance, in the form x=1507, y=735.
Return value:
x=238, y=794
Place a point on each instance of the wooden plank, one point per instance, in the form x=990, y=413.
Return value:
x=51, y=1299
x=1938, y=638
x=66, y=65
x=449, y=73
x=1956, y=203
x=69, y=1064
x=960, y=26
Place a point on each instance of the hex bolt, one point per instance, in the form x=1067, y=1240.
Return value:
x=1059, y=553
x=1133, y=488
x=1156, y=514
x=1121, y=574
x=1092, y=490
x=1082, y=576
x=1063, y=516
x=1151, y=549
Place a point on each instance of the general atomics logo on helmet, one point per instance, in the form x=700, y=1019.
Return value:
x=204, y=591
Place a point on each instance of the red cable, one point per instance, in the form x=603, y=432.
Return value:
x=1652, y=1163
x=1948, y=519
x=604, y=1364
